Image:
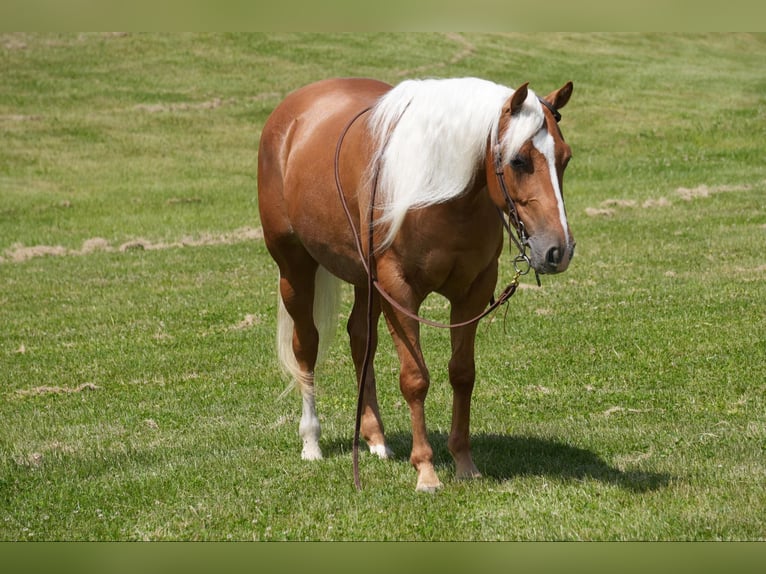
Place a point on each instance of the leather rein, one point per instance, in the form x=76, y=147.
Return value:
x=521, y=262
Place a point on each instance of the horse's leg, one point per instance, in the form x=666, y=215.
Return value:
x=462, y=374
x=462, y=370
x=414, y=379
x=371, y=424
x=297, y=293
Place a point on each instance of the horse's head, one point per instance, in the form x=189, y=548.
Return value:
x=529, y=156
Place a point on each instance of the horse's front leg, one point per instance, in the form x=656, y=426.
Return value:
x=413, y=381
x=462, y=374
x=462, y=370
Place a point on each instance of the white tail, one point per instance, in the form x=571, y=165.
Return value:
x=326, y=301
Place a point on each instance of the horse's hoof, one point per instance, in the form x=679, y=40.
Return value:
x=311, y=452
x=430, y=488
x=468, y=473
x=428, y=481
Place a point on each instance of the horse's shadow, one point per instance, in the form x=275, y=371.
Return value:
x=503, y=457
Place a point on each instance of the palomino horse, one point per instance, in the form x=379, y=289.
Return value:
x=428, y=171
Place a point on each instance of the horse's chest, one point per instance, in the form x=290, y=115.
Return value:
x=450, y=260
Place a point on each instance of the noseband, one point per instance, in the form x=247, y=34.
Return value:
x=368, y=261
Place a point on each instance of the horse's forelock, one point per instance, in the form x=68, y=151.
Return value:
x=523, y=125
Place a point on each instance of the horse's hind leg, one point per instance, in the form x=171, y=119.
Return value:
x=298, y=342
x=371, y=424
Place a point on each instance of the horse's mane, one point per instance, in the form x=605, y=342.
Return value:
x=430, y=139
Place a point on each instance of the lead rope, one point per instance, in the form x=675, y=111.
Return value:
x=372, y=282
x=367, y=263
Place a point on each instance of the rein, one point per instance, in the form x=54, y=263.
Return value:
x=513, y=223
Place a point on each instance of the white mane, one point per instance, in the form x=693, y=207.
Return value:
x=431, y=137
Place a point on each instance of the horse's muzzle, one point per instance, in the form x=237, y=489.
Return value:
x=550, y=259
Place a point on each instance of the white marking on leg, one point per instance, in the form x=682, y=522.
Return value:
x=544, y=143
x=309, y=429
x=381, y=450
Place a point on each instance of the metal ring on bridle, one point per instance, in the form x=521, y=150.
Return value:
x=522, y=258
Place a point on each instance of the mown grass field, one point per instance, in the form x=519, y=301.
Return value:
x=139, y=392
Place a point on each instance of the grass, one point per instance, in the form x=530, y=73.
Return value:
x=139, y=393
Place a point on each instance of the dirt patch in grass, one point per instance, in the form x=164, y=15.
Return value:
x=660, y=202
x=619, y=203
x=15, y=41
x=93, y=245
x=246, y=323
x=18, y=252
x=31, y=460
x=53, y=390
x=20, y=118
x=599, y=211
x=236, y=236
x=609, y=207
x=701, y=191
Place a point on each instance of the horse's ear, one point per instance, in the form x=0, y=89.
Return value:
x=560, y=97
x=518, y=97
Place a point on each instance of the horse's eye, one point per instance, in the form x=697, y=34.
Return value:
x=518, y=163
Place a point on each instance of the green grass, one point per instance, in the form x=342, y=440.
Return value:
x=139, y=393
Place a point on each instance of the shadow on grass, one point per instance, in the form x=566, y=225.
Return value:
x=503, y=457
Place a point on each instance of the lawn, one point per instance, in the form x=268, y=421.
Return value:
x=140, y=397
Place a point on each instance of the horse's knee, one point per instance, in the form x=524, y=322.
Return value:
x=414, y=388
x=462, y=375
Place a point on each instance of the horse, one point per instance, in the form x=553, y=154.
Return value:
x=431, y=172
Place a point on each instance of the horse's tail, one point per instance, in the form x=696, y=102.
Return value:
x=326, y=302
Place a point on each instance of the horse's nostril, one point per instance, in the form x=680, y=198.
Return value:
x=553, y=258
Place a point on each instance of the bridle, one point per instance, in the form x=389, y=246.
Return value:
x=521, y=263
